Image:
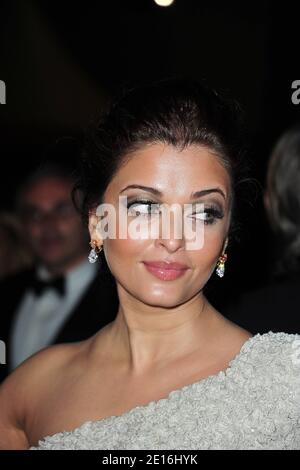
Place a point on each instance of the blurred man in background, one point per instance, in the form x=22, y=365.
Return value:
x=63, y=298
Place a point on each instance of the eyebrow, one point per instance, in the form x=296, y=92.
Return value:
x=194, y=195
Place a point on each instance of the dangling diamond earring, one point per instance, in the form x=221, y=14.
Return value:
x=93, y=256
x=221, y=265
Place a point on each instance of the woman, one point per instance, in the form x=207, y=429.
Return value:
x=170, y=372
x=261, y=309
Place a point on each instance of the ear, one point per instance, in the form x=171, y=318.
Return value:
x=94, y=230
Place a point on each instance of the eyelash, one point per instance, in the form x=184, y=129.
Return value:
x=212, y=210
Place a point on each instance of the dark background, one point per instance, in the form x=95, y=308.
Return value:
x=61, y=61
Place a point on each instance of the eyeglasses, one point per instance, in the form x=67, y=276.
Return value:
x=33, y=215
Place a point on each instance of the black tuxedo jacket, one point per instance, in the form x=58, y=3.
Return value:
x=97, y=307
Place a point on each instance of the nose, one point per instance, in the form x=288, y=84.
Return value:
x=171, y=235
x=49, y=223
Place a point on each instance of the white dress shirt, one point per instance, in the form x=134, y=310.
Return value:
x=39, y=318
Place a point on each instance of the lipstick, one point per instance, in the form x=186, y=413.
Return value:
x=166, y=271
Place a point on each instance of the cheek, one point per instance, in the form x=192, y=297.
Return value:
x=207, y=256
x=71, y=227
x=122, y=254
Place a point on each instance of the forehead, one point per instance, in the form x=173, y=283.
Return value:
x=48, y=190
x=172, y=171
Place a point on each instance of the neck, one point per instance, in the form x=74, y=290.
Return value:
x=146, y=337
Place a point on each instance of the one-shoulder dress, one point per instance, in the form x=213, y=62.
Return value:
x=253, y=404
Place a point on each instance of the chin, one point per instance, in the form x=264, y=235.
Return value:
x=162, y=300
x=53, y=261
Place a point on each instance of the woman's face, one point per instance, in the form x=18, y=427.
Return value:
x=162, y=174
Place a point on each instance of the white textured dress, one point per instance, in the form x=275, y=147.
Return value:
x=253, y=404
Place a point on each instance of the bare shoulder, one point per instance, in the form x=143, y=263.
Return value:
x=240, y=333
x=230, y=337
x=236, y=337
x=24, y=387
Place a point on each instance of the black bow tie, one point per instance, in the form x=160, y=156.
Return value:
x=57, y=283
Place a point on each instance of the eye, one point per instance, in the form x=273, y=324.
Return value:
x=32, y=215
x=209, y=215
x=142, y=208
x=64, y=209
x=36, y=216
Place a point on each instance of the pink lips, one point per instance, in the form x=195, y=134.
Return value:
x=165, y=271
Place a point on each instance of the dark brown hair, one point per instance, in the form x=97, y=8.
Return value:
x=175, y=111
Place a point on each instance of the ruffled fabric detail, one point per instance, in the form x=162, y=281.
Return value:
x=253, y=404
